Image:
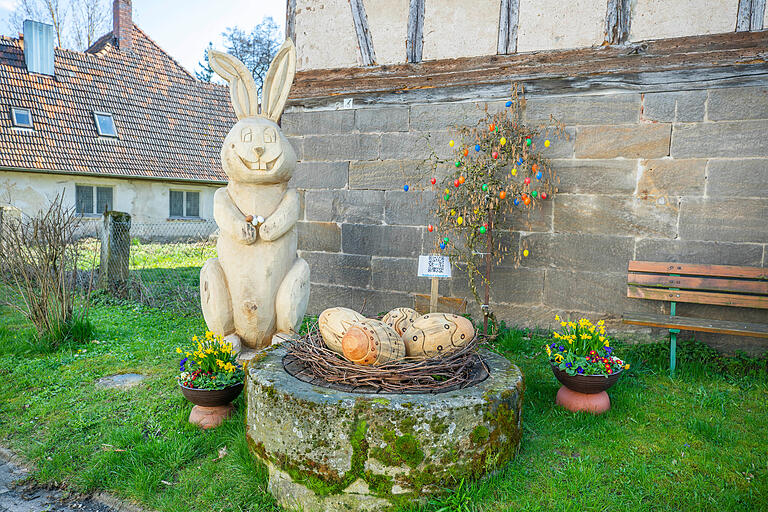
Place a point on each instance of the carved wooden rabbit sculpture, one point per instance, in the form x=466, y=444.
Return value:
x=258, y=285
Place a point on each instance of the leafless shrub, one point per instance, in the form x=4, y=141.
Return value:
x=39, y=258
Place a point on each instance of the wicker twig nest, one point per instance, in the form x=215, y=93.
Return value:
x=309, y=360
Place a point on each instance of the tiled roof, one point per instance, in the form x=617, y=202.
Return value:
x=169, y=124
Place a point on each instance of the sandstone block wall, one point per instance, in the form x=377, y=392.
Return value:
x=667, y=176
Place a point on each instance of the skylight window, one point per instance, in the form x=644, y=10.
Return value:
x=105, y=124
x=21, y=117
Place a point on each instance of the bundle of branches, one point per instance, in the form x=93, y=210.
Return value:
x=39, y=258
x=310, y=360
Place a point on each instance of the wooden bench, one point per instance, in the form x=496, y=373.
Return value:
x=721, y=285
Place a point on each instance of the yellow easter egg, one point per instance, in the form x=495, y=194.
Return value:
x=525, y=253
x=503, y=141
x=333, y=324
x=451, y=143
x=546, y=143
x=460, y=221
x=514, y=171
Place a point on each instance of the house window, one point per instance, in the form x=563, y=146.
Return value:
x=105, y=125
x=92, y=200
x=21, y=117
x=184, y=204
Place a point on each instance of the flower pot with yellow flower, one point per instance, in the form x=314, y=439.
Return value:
x=582, y=360
x=210, y=378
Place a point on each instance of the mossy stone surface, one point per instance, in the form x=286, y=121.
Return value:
x=332, y=450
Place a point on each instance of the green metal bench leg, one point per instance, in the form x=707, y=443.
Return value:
x=672, y=350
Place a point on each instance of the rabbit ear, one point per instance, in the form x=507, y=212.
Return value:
x=242, y=87
x=278, y=81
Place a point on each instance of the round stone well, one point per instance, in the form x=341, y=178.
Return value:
x=332, y=450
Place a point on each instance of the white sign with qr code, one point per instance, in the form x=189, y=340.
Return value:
x=434, y=265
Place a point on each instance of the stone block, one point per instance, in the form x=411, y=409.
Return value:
x=559, y=147
x=535, y=218
x=319, y=236
x=580, y=110
x=578, y=251
x=445, y=116
x=320, y=175
x=409, y=208
x=339, y=269
x=734, y=103
x=516, y=285
x=627, y=141
x=414, y=145
x=389, y=174
x=390, y=241
x=723, y=139
x=743, y=178
x=680, y=106
x=599, y=292
x=671, y=177
x=342, y=146
x=317, y=122
x=724, y=219
x=398, y=274
x=358, y=206
x=596, y=176
x=615, y=215
x=297, y=143
x=382, y=119
x=366, y=301
x=710, y=253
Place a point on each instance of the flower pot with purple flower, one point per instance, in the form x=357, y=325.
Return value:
x=582, y=360
x=210, y=378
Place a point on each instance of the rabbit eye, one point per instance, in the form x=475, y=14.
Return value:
x=246, y=135
x=269, y=135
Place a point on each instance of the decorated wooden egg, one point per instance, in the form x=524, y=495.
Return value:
x=437, y=334
x=372, y=342
x=333, y=324
x=400, y=319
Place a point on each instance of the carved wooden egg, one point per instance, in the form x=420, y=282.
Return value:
x=333, y=324
x=437, y=334
x=400, y=319
x=372, y=342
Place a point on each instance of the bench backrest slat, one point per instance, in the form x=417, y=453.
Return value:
x=698, y=283
x=660, y=267
x=718, y=299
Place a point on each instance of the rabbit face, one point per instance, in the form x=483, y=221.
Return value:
x=256, y=151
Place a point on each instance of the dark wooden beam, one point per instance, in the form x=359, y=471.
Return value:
x=415, y=41
x=367, y=55
x=617, y=20
x=750, y=15
x=508, y=21
x=290, y=20
x=736, y=58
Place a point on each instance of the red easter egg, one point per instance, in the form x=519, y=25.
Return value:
x=492, y=127
x=456, y=183
x=543, y=195
x=430, y=228
x=433, y=181
x=527, y=181
x=495, y=154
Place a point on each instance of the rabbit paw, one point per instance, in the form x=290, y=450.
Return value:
x=248, y=233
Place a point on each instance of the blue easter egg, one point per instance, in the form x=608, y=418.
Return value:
x=508, y=104
x=405, y=188
x=442, y=245
x=538, y=175
x=517, y=201
x=477, y=147
x=520, y=161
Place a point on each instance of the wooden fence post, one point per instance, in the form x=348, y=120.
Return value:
x=115, y=252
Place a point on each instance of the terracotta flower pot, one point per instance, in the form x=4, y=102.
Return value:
x=211, y=397
x=588, y=384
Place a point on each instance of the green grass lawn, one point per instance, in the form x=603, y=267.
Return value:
x=696, y=442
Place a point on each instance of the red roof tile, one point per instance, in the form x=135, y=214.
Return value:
x=169, y=125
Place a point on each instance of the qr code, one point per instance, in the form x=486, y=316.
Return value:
x=436, y=264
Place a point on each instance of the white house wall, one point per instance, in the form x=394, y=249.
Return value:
x=326, y=36
x=147, y=201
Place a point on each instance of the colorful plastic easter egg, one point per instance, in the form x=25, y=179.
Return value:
x=534, y=167
x=400, y=319
x=476, y=210
x=514, y=171
x=482, y=230
x=508, y=104
x=466, y=151
x=462, y=179
x=492, y=127
x=527, y=142
x=460, y=220
x=437, y=334
x=546, y=143
x=456, y=182
x=333, y=324
x=535, y=194
x=372, y=342
x=502, y=194
x=516, y=201
x=442, y=245
x=447, y=196
x=453, y=212
x=433, y=181
x=451, y=143
x=495, y=155
x=447, y=191
x=477, y=147
x=520, y=161
x=538, y=175
x=525, y=253
x=405, y=187
x=503, y=141
x=526, y=200
x=484, y=187
x=430, y=228
x=458, y=163
x=543, y=195
x=445, y=239
x=527, y=180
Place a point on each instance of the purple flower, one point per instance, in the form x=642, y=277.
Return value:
x=561, y=348
x=181, y=363
x=608, y=350
x=568, y=365
x=579, y=370
x=552, y=346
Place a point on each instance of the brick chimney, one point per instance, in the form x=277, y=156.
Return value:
x=122, y=23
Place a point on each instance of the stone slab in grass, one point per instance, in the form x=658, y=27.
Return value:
x=120, y=381
x=332, y=450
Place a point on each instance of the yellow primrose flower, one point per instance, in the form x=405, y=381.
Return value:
x=194, y=338
x=601, y=338
x=606, y=344
x=601, y=322
x=562, y=324
x=572, y=325
x=178, y=350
